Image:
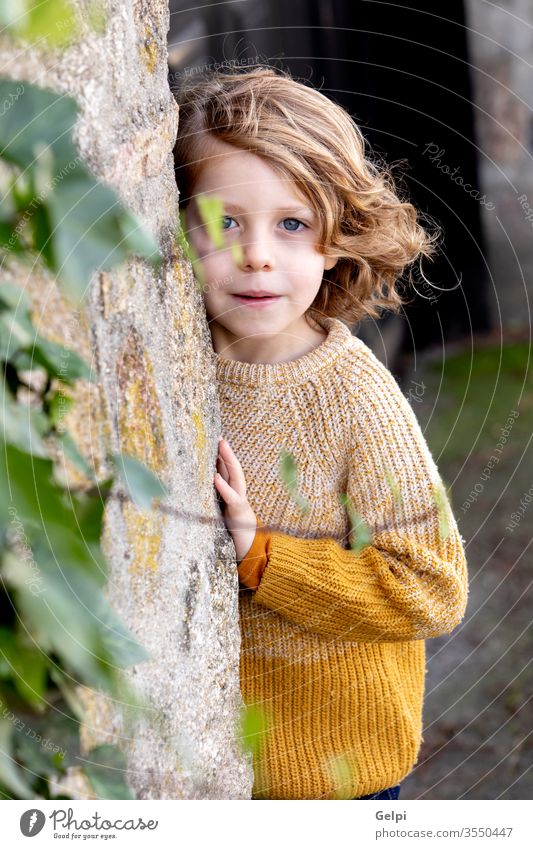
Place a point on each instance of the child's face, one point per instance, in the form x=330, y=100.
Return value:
x=273, y=251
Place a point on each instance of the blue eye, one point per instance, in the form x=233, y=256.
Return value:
x=295, y=230
x=226, y=218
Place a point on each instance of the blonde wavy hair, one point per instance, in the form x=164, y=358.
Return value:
x=313, y=141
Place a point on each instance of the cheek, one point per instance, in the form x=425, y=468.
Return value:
x=199, y=241
x=217, y=266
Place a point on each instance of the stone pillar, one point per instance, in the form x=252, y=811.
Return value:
x=173, y=580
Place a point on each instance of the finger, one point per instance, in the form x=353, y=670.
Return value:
x=236, y=474
x=222, y=468
x=227, y=492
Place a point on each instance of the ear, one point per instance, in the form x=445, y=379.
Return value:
x=330, y=262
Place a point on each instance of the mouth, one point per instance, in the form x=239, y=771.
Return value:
x=257, y=300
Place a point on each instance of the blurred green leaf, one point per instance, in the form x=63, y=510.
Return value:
x=91, y=231
x=47, y=743
x=58, y=406
x=105, y=767
x=14, y=296
x=441, y=500
x=79, y=225
x=393, y=484
x=360, y=532
x=21, y=425
x=253, y=725
x=52, y=568
x=27, y=487
x=189, y=253
x=51, y=21
x=141, y=483
x=36, y=116
x=11, y=776
x=342, y=775
x=16, y=331
x=289, y=475
x=27, y=665
x=211, y=209
x=89, y=510
x=75, y=456
x=60, y=361
x=237, y=254
x=67, y=688
x=71, y=617
x=56, y=23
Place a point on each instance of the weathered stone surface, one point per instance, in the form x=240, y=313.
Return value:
x=173, y=578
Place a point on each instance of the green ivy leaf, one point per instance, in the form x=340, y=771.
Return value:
x=58, y=406
x=75, y=456
x=91, y=231
x=361, y=535
x=11, y=776
x=289, y=476
x=189, y=253
x=237, y=254
x=210, y=208
x=14, y=296
x=36, y=115
x=342, y=774
x=393, y=484
x=79, y=225
x=27, y=487
x=28, y=667
x=440, y=498
x=71, y=617
x=105, y=767
x=52, y=21
x=60, y=361
x=21, y=425
x=141, y=483
x=253, y=726
x=69, y=692
x=16, y=332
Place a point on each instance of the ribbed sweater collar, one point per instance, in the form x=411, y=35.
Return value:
x=292, y=371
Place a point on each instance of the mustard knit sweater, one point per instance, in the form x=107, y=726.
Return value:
x=332, y=647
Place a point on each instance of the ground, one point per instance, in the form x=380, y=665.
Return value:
x=477, y=738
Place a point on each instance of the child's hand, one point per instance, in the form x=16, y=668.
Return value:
x=230, y=482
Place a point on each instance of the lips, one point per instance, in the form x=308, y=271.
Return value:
x=262, y=300
x=252, y=293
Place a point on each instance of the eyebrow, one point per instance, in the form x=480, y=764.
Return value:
x=236, y=208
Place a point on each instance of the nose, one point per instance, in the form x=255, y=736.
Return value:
x=256, y=255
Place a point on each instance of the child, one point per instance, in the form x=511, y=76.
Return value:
x=332, y=628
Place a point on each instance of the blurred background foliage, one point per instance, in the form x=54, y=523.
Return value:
x=57, y=630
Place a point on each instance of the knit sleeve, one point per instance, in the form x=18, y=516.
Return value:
x=253, y=564
x=410, y=582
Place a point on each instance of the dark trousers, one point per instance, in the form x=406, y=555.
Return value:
x=389, y=793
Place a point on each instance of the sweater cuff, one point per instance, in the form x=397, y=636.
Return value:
x=252, y=566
